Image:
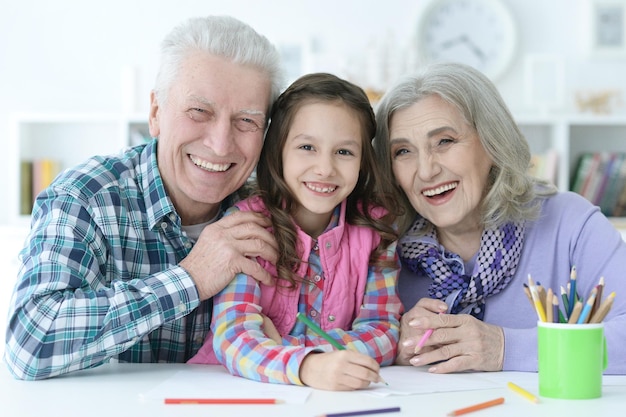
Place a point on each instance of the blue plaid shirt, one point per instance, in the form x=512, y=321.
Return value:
x=99, y=275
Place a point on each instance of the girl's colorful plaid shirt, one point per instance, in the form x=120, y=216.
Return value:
x=246, y=351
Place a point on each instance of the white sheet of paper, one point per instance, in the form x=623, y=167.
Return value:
x=408, y=380
x=213, y=382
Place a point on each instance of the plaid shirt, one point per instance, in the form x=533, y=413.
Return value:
x=246, y=351
x=98, y=275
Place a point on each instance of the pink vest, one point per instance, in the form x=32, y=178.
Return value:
x=344, y=254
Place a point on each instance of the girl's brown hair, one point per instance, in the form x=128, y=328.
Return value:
x=372, y=188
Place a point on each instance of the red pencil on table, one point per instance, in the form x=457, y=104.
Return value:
x=477, y=407
x=222, y=401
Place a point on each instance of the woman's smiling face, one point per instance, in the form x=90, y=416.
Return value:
x=440, y=163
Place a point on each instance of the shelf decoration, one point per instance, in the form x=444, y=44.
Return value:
x=598, y=102
x=608, y=28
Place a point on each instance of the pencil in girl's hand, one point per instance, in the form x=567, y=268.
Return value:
x=584, y=315
x=606, y=305
x=320, y=332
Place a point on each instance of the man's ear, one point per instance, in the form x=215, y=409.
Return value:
x=153, y=120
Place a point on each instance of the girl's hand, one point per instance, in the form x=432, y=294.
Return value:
x=341, y=370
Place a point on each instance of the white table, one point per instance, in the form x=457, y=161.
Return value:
x=118, y=390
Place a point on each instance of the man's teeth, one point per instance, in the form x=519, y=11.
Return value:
x=320, y=189
x=209, y=166
x=439, y=190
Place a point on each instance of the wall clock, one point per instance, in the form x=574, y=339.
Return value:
x=480, y=33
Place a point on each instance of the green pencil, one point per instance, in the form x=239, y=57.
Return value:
x=318, y=330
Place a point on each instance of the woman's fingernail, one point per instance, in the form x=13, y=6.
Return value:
x=432, y=369
x=414, y=361
x=408, y=343
x=415, y=323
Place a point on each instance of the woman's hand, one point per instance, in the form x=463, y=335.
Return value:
x=458, y=342
x=410, y=335
x=341, y=370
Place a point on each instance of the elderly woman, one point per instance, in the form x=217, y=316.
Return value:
x=476, y=226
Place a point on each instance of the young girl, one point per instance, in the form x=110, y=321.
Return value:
x=332, y=218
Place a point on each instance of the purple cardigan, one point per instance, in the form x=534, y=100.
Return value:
x=570, y=231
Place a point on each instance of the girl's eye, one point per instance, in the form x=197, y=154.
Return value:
x=345, y=152
x=306, y=147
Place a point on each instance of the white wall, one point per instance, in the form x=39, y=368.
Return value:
x=69, y=55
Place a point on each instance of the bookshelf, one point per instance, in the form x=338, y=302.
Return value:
x=71, y=138
x=60, y=141
x=573, y=136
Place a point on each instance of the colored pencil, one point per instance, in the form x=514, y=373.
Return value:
x=521, y=391
x=542, y=296
x=559, y=316
x=584, y=315
x=541, y=314
x=556, y=312
x=549, y=307
x=573, y=318
x=318, y=330
x=565, y=301
x=477, y=407
x=596, y=304
x=423, y=340
x=363, y=412
x=606, y=305
x=222, y=401
x=572, y=290
x=529, y=295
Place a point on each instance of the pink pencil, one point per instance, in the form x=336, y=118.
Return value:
x=423, y=340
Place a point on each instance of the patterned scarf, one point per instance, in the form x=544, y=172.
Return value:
x=496, y=264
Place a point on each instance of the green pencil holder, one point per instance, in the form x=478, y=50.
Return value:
x=571, y=358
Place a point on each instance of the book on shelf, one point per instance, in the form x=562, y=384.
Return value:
x=26, y=187
x=615, y=182
x=600, y=177
x=35, y=176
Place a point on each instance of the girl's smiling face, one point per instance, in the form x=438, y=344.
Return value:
x=321, y=161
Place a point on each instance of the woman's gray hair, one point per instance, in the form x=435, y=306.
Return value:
x=512, y=192
x=222, y=36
